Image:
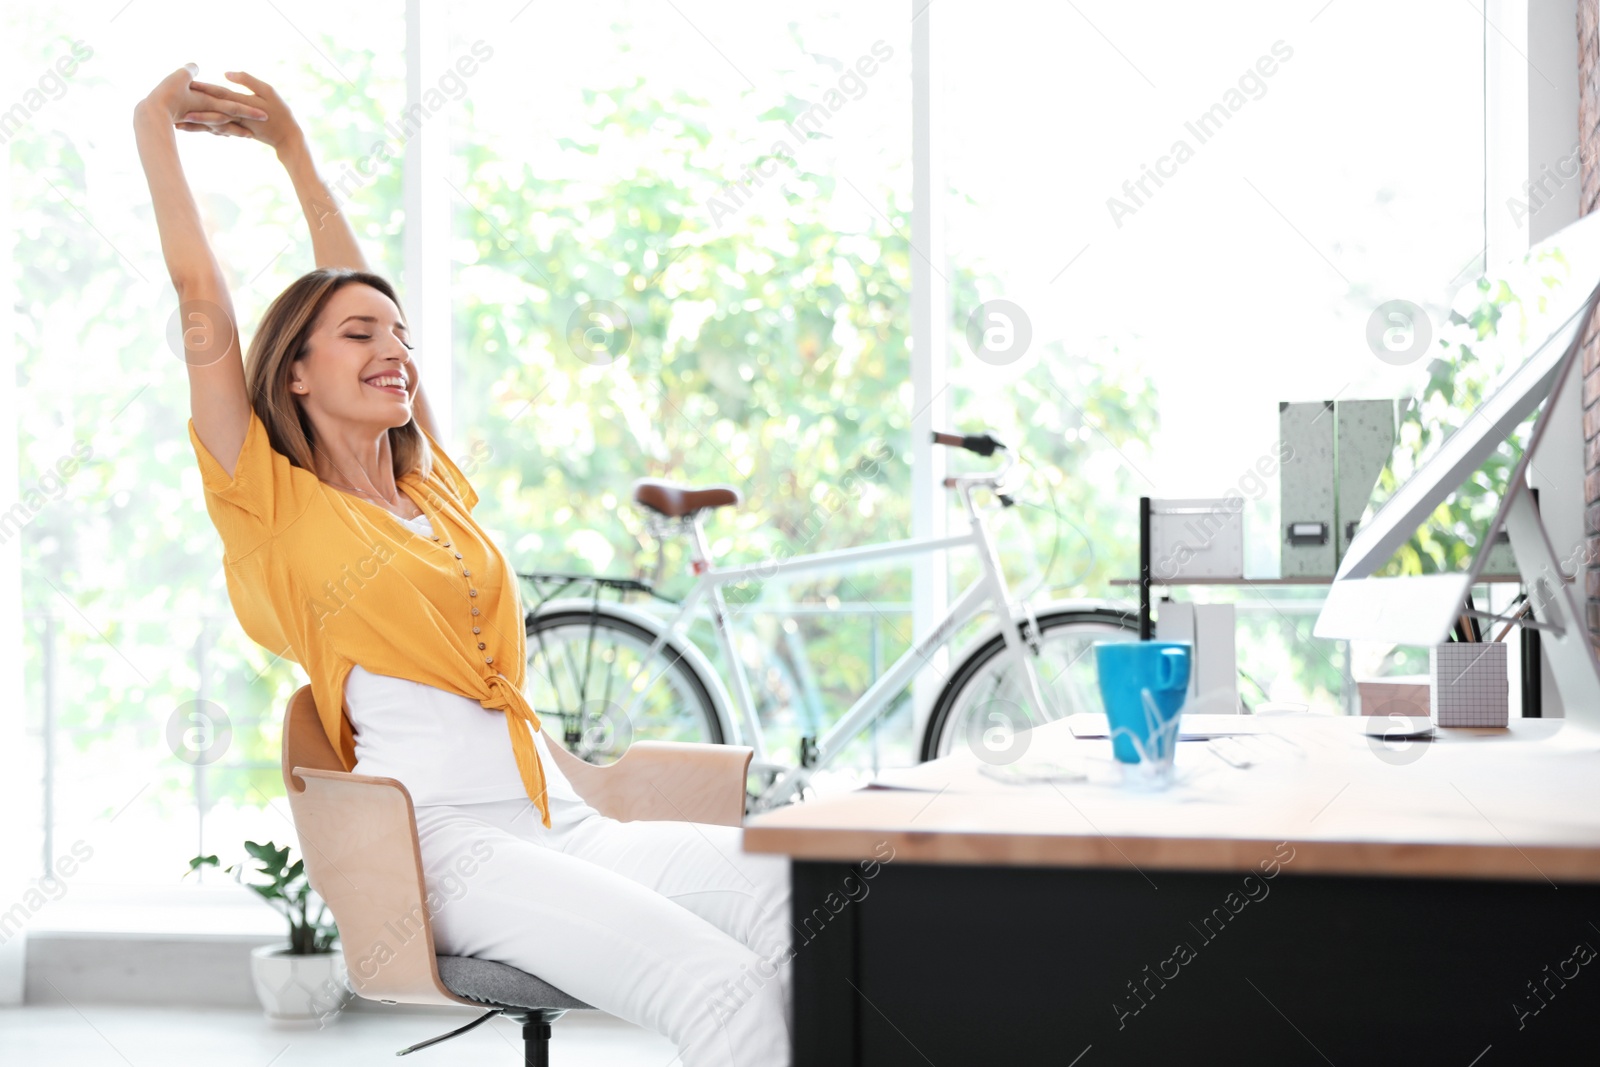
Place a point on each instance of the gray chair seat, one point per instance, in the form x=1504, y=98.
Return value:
x=501, y=986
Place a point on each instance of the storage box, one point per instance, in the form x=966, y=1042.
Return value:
x=1197, y=538
x=1406, y=695
x=1305, y=434
x=1467, y=684
x=1365, y=430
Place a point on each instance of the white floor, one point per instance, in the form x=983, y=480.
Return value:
x=89, y=1035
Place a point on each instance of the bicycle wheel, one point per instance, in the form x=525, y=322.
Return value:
x=987, y=691
x=586, y=668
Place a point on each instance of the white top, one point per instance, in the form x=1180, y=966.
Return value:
x=444, y=747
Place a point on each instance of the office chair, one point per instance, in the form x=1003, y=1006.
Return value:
x=358, y=836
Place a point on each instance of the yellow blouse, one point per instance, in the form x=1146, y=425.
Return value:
x=329, y=580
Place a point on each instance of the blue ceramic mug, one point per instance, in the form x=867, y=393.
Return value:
x=1129, y=670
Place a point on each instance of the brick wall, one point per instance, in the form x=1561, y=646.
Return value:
x=1589, y=135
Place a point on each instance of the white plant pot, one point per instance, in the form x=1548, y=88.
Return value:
x=299, y=988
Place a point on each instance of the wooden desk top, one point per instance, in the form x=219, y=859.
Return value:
x=1521, y=804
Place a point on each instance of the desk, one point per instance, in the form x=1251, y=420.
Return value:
x=1338, y=901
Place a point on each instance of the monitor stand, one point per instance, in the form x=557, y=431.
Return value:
x=1557, y=615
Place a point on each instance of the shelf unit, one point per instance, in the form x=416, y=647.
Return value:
x=1529, y=650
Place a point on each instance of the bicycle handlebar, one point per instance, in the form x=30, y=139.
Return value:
x=981, y=444
x=994, y=479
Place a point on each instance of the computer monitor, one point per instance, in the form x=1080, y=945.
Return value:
x=1558, y=283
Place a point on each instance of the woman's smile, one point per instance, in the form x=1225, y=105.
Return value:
x=388, y=383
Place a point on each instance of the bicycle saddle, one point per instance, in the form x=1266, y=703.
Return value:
x=675, y=501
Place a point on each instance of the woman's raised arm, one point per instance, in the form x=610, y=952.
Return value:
x=217, y=397
x=333, y=241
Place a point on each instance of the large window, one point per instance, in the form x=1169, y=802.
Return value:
x=680, y=245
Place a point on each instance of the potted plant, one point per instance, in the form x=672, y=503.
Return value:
x=304, y=978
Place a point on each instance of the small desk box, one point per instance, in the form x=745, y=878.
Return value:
x=1467, y=684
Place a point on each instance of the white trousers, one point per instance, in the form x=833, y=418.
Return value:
x=669, y=925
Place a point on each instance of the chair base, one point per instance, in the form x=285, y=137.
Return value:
x=535, y=1032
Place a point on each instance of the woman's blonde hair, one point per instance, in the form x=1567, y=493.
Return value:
x=281, y=339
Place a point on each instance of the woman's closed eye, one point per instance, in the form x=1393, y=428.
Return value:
x=368, y=337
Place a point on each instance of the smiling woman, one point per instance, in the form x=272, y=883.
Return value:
x=413, y=635
x=305, y=407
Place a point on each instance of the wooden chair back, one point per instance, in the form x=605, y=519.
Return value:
x=358, y=836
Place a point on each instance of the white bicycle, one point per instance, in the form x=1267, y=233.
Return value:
x=610, y=672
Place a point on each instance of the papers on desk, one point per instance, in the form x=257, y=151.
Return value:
x=936, y=776
x=1245, y=751
x=1092, y=724
x=1026, y=771
x=1043, y=775
x=1053, y=758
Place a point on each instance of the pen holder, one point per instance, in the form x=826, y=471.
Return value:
x=1467, y=684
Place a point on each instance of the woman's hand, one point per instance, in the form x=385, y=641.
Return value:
x=279, y=129
x=178, y=95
